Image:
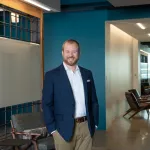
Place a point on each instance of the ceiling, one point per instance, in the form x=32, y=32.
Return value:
x=130, y=27
x=118, y=3
x=55, y=4
x=115, y=3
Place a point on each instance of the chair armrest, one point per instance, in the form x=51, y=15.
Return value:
x=144, y=105
x=33, y=136
x=144, y=101
x=26, y=133
x=145, y=96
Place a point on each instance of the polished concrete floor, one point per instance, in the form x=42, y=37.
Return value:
x=125, y=134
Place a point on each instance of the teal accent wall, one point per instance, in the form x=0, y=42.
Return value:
x=88, y=28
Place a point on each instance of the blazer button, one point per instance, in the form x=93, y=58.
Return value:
x=72, y=116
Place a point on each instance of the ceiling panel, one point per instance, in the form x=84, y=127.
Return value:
x=54, y=4
x=130, y=27
x=118, y=3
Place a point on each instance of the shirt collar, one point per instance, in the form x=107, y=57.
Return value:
x=68, y=69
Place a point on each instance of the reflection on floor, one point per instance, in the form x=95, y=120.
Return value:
x=125, y=134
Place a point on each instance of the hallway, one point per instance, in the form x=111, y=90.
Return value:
x=125, y=134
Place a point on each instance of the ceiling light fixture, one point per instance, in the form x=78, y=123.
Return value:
x=148, y=34
x=38, y=4
x=141, y=26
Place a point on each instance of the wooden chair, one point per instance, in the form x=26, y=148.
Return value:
x=141, y=99
x=134, y=105
x=31, y=126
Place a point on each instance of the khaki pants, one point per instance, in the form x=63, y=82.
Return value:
x=81, y=139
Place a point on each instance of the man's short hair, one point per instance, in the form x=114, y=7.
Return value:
x=71, y=41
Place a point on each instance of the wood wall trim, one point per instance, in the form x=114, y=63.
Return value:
x=42, y=46
x=23, y=7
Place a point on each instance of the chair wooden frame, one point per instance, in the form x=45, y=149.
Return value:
x=34, y=136
x=134, y=105
x=141, y=99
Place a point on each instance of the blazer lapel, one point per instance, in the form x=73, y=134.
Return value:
x=84, y=84
x=65, y=80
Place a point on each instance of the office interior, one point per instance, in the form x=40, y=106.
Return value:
x=110, y=36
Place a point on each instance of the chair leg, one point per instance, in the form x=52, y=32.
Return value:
x=27, y=147
x=16, y=148
x=35, y=145
x=134, y=114
x=147, y=111
x=127, y=112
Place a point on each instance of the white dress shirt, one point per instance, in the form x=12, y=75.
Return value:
x=76, y=82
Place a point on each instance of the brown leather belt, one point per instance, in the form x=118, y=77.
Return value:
x=80, y=119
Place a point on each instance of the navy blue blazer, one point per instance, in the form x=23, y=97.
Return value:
x=59, y=104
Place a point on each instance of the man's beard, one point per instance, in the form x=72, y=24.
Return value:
x=71, y=62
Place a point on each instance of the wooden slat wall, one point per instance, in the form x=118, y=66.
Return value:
x=23, y=7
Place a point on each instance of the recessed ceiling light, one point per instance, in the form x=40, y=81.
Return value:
x=141, y=26
x=148, y=34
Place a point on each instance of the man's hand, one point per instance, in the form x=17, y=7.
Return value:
x=53, y=132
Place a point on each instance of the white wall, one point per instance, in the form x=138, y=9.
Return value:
x=20, y=72
x=121, y=70
x=136, y=77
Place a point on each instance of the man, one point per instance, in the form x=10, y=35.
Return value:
x=70, y=103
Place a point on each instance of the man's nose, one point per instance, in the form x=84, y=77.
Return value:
x=70, y=54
